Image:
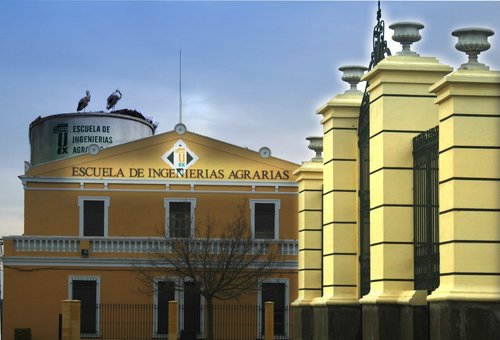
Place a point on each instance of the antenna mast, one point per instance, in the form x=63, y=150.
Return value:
x=180, y=86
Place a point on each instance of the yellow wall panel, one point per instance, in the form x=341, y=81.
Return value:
x=391, y=149
x=344, y=143
x=345, y=208
x=345, y=176
x=469, y=194
x=391, y=187
x=343, y=272
x=473, y=258
x=393, y=219
x=467, y=131
x=464, y=163
x=328, y=208
x=312, y=199
x=470, y=225
x=310, y=239
x=327, y=270
x=345, y=238
x=470, y=105
x=328, y=183
x=328, y=239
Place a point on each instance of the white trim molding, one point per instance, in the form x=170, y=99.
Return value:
x=166, y=204
x=277, y=204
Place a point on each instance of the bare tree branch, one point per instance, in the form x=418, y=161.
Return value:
x=221, y=267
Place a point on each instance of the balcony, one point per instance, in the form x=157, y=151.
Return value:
x=125, y=245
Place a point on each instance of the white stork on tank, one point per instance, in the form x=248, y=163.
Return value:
x=82, y=104
x=113, y=99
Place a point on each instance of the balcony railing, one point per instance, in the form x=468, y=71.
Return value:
x=61, y=244
x=45, y=244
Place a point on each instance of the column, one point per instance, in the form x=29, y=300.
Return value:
x=310, y=180
x=401, y=107
x=338, y=314
x=467, y=301
x=71, y=320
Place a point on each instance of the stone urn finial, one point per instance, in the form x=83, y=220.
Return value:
x=316, y=144
x=352, y=74
x=473, y=40
x=406, y=33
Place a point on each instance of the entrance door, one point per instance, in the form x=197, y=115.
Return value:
x=192, y=308
x=86, y=292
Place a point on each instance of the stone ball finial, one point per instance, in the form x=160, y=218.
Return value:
x=406, y=33
x=316, y=145
x=352, y=74
x=472, y=41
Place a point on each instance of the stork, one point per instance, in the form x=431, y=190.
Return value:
x=82, y=104
x=113, y=99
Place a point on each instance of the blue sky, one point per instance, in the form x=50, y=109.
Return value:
x=254, y=73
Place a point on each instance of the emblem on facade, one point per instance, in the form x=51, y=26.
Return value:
x=62, y=138
x=180, y=157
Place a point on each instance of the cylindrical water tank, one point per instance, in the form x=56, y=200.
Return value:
x=70, y=134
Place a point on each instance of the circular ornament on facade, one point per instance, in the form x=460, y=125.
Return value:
x=94, y=149
x=265, y=152
x=180, y=128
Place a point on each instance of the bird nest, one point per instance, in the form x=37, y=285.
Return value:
x=136, y=114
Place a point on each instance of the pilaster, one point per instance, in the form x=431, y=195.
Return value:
x=469, y=187
x=400, y=108
x=340, y=207
x=310, y=180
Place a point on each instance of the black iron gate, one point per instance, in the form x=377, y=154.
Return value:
x=380, y=50
x=426, y=209
x=364, y=196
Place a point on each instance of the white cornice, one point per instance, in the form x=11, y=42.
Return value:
x=105, y=181
x=130, y=263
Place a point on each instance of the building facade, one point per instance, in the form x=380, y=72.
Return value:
x=399, y=223
x=94, y=221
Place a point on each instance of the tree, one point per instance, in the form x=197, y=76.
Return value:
x=222, y=265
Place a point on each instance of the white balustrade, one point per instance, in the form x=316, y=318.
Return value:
x=137, y=245
x=45, y=244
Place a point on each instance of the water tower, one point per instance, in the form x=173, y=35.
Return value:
x=70, y=134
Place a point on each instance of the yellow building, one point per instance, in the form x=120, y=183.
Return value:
x=399, y=225
x=94, y=221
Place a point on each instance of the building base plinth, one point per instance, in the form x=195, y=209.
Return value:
x=394, y=322
x=332, y=322
x=464, y=320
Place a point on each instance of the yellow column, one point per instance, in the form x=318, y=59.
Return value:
x=400, y=108
x=310, y=180
x=71, y=320
x=469, y=186
x=340, y=211
x=172, y=320
x=269, y=321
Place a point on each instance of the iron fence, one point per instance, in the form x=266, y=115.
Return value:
x=426, y=210
x=141, y=322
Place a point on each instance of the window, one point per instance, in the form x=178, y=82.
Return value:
x=164, y=292
x=86, y=289
x=93, y=216
x=179, y=217
x=274, y=291
x=265, y=219
x=190, y=305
